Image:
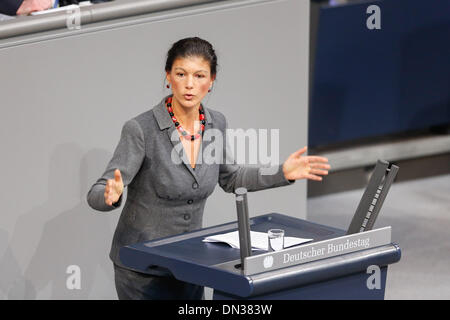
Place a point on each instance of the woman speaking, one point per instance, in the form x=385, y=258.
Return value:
x=166, y=197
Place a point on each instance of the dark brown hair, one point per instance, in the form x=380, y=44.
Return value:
x=192, y=47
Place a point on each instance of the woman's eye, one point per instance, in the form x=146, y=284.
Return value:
x=180, y=74
x=200, y=76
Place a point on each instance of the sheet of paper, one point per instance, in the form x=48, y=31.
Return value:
x=4, y=17
x=259, y=240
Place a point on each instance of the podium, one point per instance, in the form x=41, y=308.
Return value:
x=334, y=265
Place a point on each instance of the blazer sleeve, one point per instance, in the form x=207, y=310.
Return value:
x=253, y=178
x=10, y=7
x=128, y=158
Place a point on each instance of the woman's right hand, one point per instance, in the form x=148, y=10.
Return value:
x=29, y=6
x=114, y=188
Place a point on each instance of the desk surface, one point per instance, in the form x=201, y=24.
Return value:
x=190, y=248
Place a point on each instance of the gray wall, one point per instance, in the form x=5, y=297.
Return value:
x=65, y=96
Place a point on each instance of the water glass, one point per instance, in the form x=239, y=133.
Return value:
x=276, y=239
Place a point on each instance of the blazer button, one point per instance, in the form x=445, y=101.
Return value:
x=190, y=201
x=187, y=216
x=195, y=185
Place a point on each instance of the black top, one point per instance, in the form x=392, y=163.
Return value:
x=10, y=7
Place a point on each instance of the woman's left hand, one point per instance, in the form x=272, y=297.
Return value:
x=305, y=167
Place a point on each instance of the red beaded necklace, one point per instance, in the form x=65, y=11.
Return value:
x=180, y=128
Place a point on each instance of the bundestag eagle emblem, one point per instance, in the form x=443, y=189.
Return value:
x=268, y=262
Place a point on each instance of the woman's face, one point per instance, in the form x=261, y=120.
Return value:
x=190, y=80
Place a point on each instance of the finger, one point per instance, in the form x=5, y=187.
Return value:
x=317, y=158
x=301, y=151
x=320, y=166
x=110, y=199
x=313, y=177
x=117, y=176
x=23, y=11
x=31, y=8
x=49, y=4
x=318, y=171
x=109, y=185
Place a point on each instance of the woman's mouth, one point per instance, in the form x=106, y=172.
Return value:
x=188, y=96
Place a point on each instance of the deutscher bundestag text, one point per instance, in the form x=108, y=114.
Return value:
x=330, y=248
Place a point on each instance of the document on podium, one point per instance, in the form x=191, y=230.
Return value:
x=259, y=240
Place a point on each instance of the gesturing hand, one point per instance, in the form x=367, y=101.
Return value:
x=114, y=188
x=29, y=6
x=301, y=167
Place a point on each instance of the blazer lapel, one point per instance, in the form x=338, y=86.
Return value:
x=200, y=167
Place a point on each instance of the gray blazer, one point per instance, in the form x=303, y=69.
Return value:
x=165, y=198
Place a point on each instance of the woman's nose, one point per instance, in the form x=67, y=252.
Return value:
x=189, y=82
